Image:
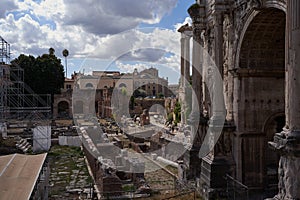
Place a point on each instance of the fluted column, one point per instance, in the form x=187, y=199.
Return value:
x=288, y=141
x=293, y=70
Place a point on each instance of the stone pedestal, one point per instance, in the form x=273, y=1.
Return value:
x=213, y=173
x=288, y=144
x=191, y=157
x=217, y=164
x=194, y=163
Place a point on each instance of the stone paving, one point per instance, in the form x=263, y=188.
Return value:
x=69, y=177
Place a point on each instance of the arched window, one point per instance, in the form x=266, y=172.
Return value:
x=63, y=109
x=122, y=85
x=89, y=85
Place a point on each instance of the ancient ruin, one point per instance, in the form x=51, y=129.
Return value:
x=255, y=47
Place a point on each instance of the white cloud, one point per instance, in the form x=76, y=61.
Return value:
x=128, y=68
x=7, y=6
x=115, y=16
x=86, y=29
x=49, y=9
x=137, y=45
x=172, y=62
x=187, y=20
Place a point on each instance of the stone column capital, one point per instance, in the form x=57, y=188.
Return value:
x=187, y=34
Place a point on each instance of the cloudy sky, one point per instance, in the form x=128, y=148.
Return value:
x=99, y=34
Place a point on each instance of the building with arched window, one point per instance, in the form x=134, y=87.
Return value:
x=101, y=85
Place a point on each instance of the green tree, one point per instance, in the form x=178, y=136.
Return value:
x=139, y=93
x=161, y=95
x=124, y=91
x=65, y=53
x=44, y=74
x=131, y=103
x=51, y=51
x=177, y=112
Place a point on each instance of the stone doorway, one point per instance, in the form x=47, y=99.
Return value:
x=271, y=158
x=63, y=109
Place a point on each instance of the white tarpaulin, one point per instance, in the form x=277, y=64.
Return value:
x=41, y=138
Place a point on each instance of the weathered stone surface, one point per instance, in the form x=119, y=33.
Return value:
x=255, y=46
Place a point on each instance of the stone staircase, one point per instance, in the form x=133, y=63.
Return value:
x=23, y=145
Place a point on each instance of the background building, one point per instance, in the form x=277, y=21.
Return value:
x=103, y=84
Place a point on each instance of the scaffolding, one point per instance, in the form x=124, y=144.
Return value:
x=4, y=76
x=17, y=100
x=4, y=51
x=4, y=81
x=23, y=102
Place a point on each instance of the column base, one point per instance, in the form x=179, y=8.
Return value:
x=194, y=169
x=212, y=179
x=287, y=143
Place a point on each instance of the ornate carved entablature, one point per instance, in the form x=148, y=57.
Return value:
x=197, y=13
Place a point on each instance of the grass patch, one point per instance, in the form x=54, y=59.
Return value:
x=68, y=170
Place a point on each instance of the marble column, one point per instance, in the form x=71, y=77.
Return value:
x=288, y=141
x=186, y=79
x=182, y=66
x=182, y=63
x=192, y=160
x=186, y=33
x=197, y=72
x=216, y=95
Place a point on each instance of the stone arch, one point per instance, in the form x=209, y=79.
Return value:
x=63, y=110
x=273, y=124
x=279, y=4
x=122, y=85
x=271, y=118
x=242, y=29
x=260, y=63
x=89, y=85
x=254, y=17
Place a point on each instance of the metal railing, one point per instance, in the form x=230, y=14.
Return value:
x=235, y=189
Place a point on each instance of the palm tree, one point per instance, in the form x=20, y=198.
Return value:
x=51, y=51
x=65, y=53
